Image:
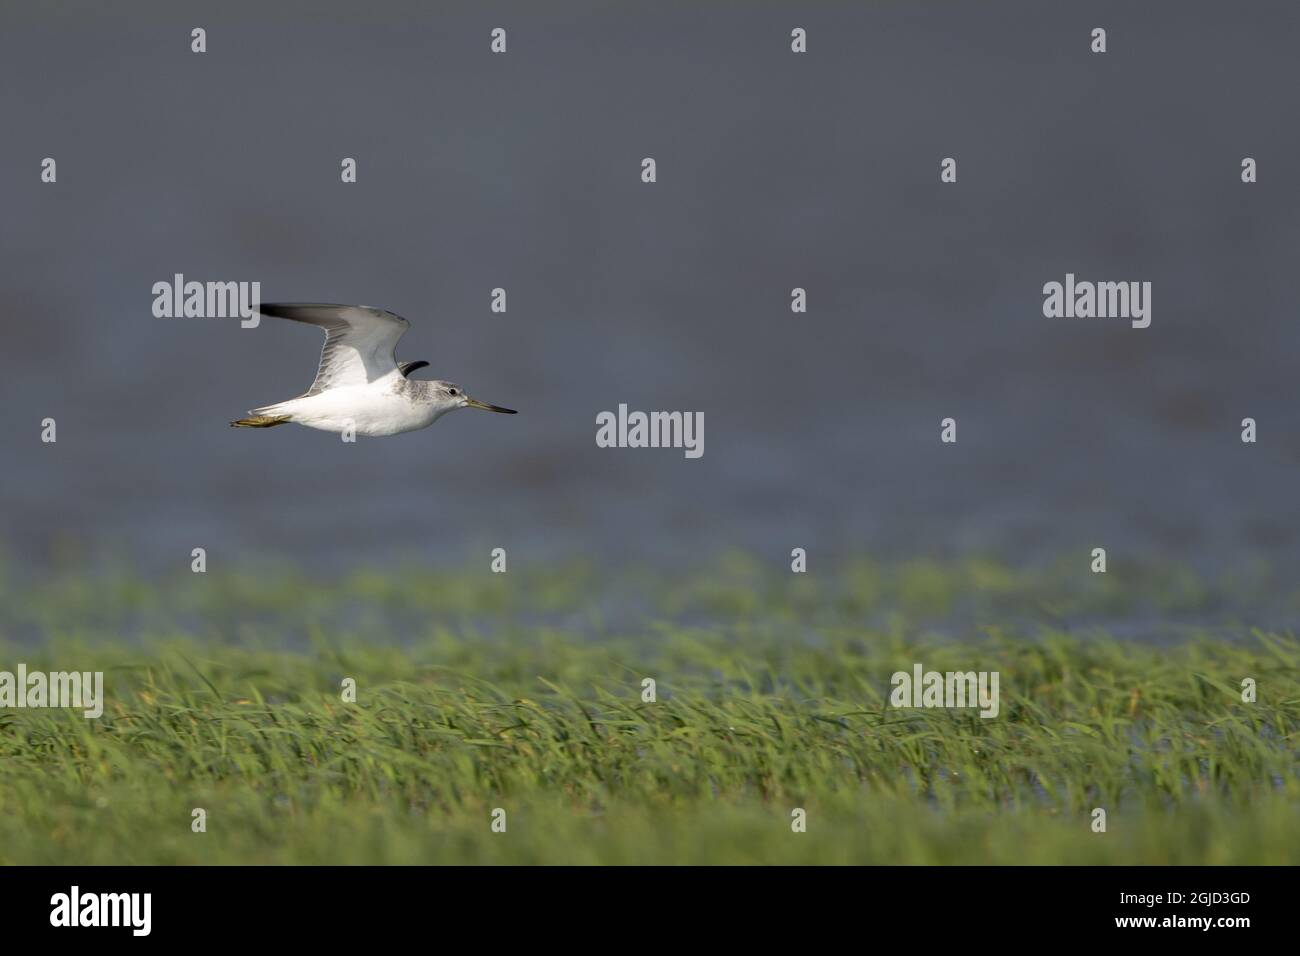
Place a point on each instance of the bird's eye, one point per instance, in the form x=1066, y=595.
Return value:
x=451, y=391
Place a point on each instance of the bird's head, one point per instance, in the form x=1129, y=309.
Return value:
x=450, y=396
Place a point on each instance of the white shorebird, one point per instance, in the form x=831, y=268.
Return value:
x=360, y=386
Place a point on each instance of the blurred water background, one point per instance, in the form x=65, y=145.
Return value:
x=775, y=170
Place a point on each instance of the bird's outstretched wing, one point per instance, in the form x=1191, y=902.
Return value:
x=359, y=341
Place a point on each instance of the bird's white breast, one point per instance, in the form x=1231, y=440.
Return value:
x=382, y=407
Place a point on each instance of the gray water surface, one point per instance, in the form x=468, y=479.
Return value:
x=775, y=170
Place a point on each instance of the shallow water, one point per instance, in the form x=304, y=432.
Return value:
x=775, y=171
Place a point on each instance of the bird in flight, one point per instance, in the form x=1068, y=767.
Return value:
x=360, y=385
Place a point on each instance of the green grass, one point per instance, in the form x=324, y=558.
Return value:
x=520, y=692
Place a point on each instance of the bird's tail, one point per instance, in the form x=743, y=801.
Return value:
x=261, y=421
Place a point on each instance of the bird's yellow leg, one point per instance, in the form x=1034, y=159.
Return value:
x=260, y=421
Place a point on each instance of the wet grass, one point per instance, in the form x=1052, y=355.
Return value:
x=524, y=693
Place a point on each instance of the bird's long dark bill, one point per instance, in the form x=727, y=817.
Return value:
x=475, y=403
